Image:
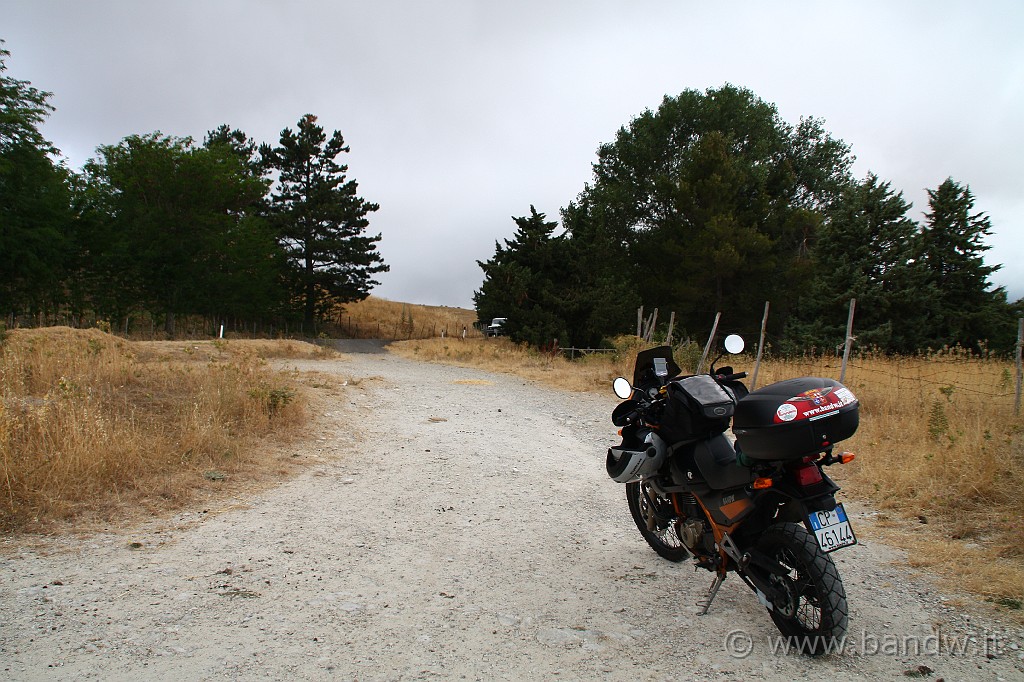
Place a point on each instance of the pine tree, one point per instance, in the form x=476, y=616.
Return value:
x=34, y=200
x=967, y=310
x=522, y=283
x=598, y=299
x=865, y=250
x=321, y=221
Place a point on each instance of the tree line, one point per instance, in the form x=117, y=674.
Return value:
x=714, y=203
x=164, y=227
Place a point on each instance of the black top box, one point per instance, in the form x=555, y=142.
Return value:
x=795, y=418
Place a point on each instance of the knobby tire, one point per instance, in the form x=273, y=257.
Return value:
x=664, y=539
x=816, y=618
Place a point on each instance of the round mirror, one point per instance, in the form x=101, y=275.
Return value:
x=622, y=387
x=734, y=344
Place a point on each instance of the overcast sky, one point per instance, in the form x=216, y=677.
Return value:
x=461, y=114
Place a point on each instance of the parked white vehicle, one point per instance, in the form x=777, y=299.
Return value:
x=495, y=327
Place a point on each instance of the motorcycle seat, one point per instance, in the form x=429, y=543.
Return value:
x=716, y=460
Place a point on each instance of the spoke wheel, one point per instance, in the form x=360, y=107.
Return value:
x=656, y=520
x=810, y=605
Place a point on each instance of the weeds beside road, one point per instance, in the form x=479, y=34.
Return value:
x=92, y=426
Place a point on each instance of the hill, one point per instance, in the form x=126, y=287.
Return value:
x=379, y=318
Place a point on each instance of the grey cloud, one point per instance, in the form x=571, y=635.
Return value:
x=462, y=114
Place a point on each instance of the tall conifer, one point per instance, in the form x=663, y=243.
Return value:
x=321, y=221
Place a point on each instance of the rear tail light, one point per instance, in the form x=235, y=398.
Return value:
x=807, y=474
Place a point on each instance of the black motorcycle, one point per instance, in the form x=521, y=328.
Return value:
x=761, y=506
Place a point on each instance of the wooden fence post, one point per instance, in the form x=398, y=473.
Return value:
x=649, y=334
x=645, y=333
x=849, y=340
x=639, y=321
x=711, y=339
x=671, y=324
x=1020, y=366
x=760, y=347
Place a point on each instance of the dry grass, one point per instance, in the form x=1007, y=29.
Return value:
x=92, y=426
x=591, y=373
x=940, y=450
x=221, y=350
x=379, y=318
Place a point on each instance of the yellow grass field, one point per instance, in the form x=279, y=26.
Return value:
x=92, y=425
x=379, y=318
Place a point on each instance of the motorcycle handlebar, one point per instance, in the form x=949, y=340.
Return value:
x=646, y=401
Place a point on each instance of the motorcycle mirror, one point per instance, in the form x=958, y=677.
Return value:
x=622, y=387
x=734, y=344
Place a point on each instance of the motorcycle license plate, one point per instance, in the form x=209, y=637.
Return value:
x=832, y=528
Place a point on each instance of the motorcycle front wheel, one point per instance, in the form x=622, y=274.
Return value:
x=813, y=614
x=655, y=518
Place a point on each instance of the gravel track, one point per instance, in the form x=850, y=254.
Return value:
x=470, y=533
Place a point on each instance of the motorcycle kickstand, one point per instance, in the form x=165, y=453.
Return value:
x=705, y=603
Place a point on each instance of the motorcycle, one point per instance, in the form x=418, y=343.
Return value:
x=761, y=506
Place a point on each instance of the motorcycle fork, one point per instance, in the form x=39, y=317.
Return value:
x=652, y=505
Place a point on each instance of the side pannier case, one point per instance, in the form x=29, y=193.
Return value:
x=795, y=418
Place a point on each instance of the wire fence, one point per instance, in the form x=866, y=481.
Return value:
x=949, y=372
x=941, y=378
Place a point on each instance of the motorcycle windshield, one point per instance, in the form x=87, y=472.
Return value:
x=643, y=370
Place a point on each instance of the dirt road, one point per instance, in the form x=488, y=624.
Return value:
x=472, y=534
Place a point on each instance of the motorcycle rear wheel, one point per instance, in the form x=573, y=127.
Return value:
x=644, y=505
x=814, y=617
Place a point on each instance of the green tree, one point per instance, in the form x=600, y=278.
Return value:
x=864, y=250
x=967, y=310
x=167, y=221
x=249, y=268
x=598, y=299
x=34, y=201
x=715, y=201
x=239, y=144
x=522, y=283
x=102, y=277
x=321, y=221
